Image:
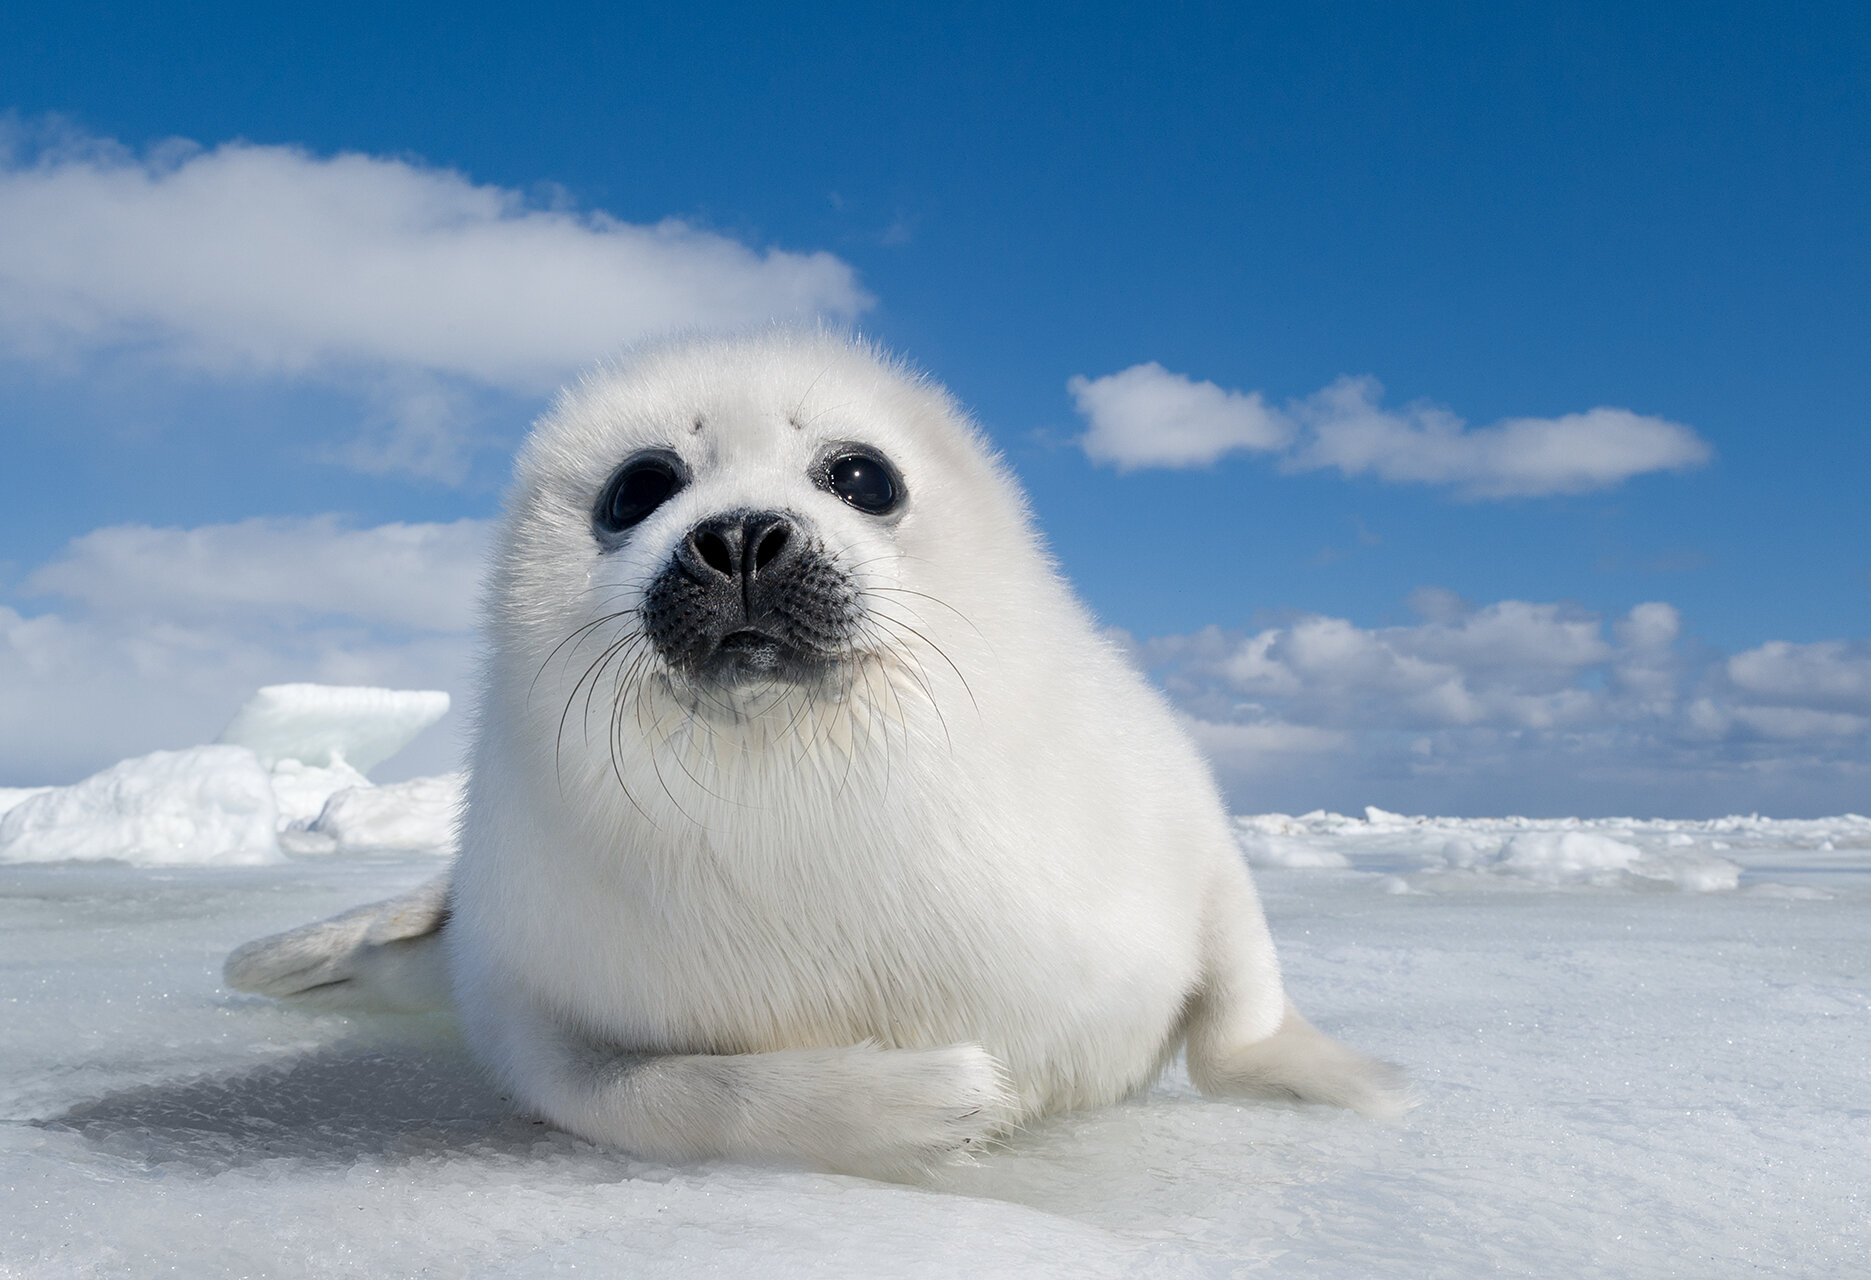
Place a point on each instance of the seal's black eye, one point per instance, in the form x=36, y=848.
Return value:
x=639, y=487
x=865, y=480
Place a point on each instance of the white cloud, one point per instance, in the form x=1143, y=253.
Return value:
x=421, y=577
x=1648, y=627
x=1146, y=416
x=1799, y=722
x=1511, y=664
x=407, y=285
x=1511, y=635
x=1348, y=430
x=277, y=260
x=414, y=422
x=161, y=634
x=1829, y=674
x=1522, y=705
x=1647, y=668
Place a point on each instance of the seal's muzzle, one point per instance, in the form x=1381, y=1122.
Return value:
x=749, y=595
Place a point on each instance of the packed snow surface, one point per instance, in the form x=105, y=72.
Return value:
x=1642, y=1049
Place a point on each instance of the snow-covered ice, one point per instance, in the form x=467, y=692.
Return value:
x=319, y=741
x=10, y=797
x=302, y=790
x=319, y=724
x=1642, y=1048
x=1616, y=1082
x=203, y=805
x=286, y=776
x=1691, y=856
x=413, y=816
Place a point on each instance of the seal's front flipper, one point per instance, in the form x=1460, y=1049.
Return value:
x=859, y=1109
x=385, y=957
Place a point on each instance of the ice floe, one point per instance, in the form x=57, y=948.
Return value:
x=1693, y=855
x=321, y=725
x=286, y=778
x=204, y=805
x=414, y=816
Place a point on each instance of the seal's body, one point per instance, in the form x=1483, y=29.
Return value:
x=809, y=815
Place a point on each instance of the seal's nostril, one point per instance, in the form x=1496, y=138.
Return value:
x=714, y=552
x=738, y=546
x=770, y=546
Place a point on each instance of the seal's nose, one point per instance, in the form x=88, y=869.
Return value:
x=736, y=548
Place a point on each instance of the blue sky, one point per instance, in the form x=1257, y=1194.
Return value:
x=237, y=402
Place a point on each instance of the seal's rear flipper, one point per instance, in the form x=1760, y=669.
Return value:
x=1246, y=1040
x=1300, y=1063
x=386, y=957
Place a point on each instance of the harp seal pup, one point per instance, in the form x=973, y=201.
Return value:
x=809, y=816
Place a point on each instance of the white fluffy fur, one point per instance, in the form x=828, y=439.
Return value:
x=987, y=879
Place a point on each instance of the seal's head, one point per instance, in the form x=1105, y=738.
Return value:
x=782, y=527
